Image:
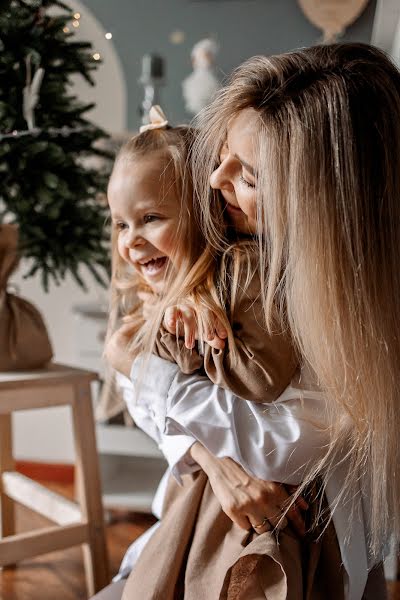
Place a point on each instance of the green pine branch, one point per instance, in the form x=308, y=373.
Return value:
x=46, y=188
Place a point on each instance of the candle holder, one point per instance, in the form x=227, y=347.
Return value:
x=152, y=79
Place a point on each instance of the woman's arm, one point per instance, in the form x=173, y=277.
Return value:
x=249, y=501
x=271, y=441
x=274, y=442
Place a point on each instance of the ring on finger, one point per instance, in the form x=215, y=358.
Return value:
x=263, y=522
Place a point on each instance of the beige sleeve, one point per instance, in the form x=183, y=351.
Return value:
x=263, y=364
x=173, y=349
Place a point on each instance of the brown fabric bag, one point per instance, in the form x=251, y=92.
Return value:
x=24, y=342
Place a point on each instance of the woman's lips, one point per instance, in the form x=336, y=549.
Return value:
x=234, y=210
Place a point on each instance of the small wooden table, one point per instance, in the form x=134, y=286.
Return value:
x=79, y=522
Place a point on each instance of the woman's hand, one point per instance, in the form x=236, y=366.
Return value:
x=116, y=350
x=183, y=321
x=250, y=502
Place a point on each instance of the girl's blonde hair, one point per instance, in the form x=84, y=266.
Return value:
x=328, y=187
x=195, y=278
x=170, y=146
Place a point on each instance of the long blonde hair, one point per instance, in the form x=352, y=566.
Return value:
x=171, y=147
x=196, y=279
x=328, y=202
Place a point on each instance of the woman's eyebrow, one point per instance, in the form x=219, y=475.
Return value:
x=246, y=165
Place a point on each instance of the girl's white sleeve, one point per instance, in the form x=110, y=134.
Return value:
x=174, y=448
x=263, y=438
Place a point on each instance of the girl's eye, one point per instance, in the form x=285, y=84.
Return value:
x=120, y=225
x=246, y=183
x=150, y=218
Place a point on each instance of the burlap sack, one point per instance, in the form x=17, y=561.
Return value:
x=24, y=342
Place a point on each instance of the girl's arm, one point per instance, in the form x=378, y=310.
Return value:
x=261, y=365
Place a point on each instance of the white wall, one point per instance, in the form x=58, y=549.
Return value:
x=45, y=435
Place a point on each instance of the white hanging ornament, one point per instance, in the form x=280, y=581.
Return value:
x=30, y=93
x=332, y=16
x=201, y=85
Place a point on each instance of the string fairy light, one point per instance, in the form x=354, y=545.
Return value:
x=54, y=131
x=51, y=131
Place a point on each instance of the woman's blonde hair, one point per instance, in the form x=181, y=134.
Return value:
x=328, y=203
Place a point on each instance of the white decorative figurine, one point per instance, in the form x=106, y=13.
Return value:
x=200, y=86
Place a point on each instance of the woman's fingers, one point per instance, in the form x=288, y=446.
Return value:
x=240, y=519
x=260, y=524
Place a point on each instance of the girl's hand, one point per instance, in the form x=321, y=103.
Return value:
x=250, y=502
x=116, y=350
x=182, y=320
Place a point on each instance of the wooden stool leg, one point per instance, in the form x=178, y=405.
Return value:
x=7, y=518
x=89, y=490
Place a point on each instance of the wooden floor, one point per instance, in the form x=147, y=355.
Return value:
x=60, y=576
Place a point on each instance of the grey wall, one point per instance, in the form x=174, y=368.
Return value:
x=243, y=28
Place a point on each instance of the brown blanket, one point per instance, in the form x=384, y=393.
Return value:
x=197, y=553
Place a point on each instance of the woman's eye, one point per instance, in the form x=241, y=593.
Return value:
x=246, y=183
x=150, y=218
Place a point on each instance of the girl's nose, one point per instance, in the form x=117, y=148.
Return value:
x=134, y=239
x=221, y=178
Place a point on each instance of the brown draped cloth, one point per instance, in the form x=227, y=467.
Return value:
x=198, y=553
x=24, y=342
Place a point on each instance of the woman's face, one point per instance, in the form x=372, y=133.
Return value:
x=235, y=177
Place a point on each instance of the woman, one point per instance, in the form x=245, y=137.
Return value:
x=302, y=152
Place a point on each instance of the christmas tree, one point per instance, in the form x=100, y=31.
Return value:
x=47, y=187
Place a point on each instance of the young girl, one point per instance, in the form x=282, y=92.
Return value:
x=326, y=197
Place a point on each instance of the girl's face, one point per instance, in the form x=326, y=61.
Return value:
x=145, y=212
x=235, y=177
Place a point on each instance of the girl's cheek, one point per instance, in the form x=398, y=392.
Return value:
x=121, y=248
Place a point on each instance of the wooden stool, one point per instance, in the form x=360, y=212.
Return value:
x=77, y=523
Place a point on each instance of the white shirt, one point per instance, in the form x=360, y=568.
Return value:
x=271, y=441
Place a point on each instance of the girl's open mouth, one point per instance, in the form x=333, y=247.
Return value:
x=154, y=266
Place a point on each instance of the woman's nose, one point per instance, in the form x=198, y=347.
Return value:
x=221, y=178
